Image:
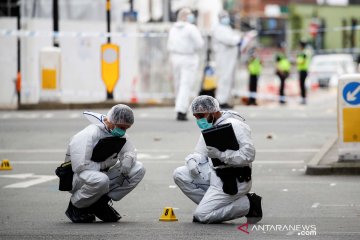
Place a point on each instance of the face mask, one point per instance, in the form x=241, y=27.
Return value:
x=225, y=21
x=117, y=132
x=203, y=123
x=191, y=18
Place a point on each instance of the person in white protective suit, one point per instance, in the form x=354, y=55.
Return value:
x=95, y=184
x=199, y=179
x=184, y=42
x=226, y=44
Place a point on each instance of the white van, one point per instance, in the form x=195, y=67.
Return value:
x=325, y=70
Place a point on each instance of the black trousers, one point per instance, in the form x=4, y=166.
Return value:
x=302, y=76
x=283, y=76
x=253, y=87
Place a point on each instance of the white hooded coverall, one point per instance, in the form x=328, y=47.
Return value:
x=184, y=42
x=225, y=43
x=213, y=204
x=90, y=182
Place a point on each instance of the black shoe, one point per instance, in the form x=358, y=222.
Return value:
x=181, y=116
x=255, y=211
x=79, y=215
x=104, y=211
x=195, y=220
x=226, y=106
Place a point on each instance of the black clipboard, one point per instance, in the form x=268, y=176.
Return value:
x=221, y=137
x=106, y=147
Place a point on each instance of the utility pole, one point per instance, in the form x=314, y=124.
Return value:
x=56, y=23
x=109, y=95
x=18, y=76
x=110, y=53
x=108, y=19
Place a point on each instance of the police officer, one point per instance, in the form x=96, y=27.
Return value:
x=302, y=64
x=254, y=67
x=283, y=67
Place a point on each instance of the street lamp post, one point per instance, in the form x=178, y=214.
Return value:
x=56, y=23
x=108, y=19
x=109, y=59
x=18, y=76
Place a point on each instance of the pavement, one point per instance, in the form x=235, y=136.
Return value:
x=295, y=205
x=94, y=105
x=327, y=162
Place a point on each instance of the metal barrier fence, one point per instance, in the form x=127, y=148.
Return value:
x=144, y=62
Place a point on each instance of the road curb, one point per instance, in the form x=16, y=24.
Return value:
x=95, y=105
x=318, y=165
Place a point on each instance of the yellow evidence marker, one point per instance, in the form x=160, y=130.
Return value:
x=5, y=165
x=168, y=215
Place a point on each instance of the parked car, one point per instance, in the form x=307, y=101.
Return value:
x=325, y=70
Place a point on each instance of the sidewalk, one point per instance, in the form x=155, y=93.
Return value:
x=326, y=162
x=95, y=105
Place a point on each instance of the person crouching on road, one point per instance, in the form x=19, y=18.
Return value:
x=199, y=180
x=95, y=184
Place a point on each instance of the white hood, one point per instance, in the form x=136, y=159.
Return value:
x=231, y=114
x=93, y=117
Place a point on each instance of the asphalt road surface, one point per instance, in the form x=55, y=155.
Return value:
x=295, y=206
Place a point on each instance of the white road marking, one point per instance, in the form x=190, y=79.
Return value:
x=149, y=156
x=285, y=190
x=30, y=162
x=143, y=115
x=161, y=150
x=74, y=115
x=32, y=151
x=48, y=115
x=152, y=159
x=280, y=150
x=315, y=205
x=265, y=162
x=28, y=115
x=332, y=184
x=278, y=162
x=300, y=150
x=172, y=186
x=339, y=205
x=6, y=116
x=18, y=176
x=38, y=179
